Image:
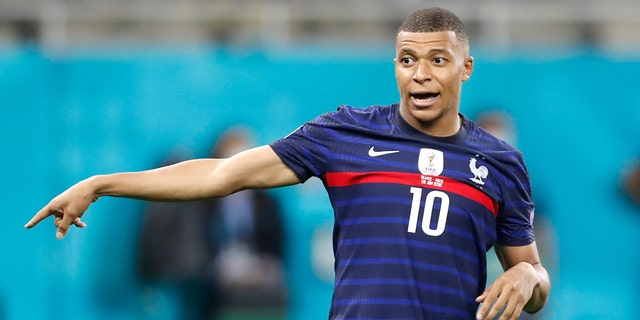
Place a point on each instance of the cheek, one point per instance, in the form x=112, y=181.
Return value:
x=403, y=79
x=453, y=92
x=453, y=82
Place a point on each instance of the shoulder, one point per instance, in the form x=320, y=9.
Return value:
x=499, y=151
x=346, y=114
x=364, y=111
x=487, y=142
x=309, y=148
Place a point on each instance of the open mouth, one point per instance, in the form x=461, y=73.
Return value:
x=424, y=99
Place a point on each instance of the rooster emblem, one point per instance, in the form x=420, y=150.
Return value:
x=479, y=173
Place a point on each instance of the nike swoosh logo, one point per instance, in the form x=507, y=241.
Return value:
x=374, y=153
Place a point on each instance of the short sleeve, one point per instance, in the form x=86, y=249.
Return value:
x=515, y=217
x=307, y=149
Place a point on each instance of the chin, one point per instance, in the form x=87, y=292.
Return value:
x=426, y=115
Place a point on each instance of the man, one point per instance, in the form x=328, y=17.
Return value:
x=420, y=192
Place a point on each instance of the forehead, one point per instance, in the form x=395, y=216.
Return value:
x=426, y=41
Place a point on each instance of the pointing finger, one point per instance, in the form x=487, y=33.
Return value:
x=41, y=215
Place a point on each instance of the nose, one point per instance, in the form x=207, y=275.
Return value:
x=423, y=73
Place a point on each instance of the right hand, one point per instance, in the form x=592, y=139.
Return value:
x=67, y=208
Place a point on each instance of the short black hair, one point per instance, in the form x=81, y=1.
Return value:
x=434, y=20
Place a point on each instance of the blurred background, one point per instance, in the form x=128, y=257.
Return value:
x=99, y=86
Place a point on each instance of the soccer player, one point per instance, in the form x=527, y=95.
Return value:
x=420, y=192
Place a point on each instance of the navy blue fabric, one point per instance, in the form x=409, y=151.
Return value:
x=477, y=194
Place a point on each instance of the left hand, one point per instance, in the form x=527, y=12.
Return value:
x=511, y=291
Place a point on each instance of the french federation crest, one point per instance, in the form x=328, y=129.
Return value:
x=431, y=162
x=479, y=172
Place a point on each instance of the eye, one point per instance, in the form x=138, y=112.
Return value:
x=439, y=60
x=407, y=60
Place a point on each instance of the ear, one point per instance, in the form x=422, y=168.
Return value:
x=468, y=68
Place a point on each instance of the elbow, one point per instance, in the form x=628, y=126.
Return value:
x=220, y=185
x=216, y=190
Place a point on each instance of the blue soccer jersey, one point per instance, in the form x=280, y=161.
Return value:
x=414, y=214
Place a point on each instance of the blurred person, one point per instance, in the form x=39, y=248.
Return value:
x=419, y=192
x=499, y=123
x=630, y=181
x=173, y=254
x=245, y=236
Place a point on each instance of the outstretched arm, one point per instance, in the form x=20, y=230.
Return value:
x=189, y=180
x=523, y=286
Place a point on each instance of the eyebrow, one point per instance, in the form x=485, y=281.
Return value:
x=405, y=50
x=442, y=51
x=410, y=51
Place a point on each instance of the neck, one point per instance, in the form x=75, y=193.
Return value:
x=440, y=127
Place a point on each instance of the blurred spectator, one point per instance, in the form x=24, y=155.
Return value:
x=500, y=124
x=220, y=258
x=246, y=239
x=630, y=181
x=173, y=256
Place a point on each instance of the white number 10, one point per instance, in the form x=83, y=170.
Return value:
x=428, y=212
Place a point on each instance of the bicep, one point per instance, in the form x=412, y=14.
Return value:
x=259, y=167
x=509, y=256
